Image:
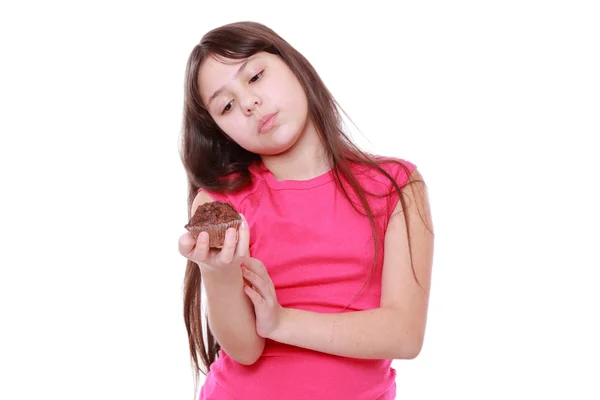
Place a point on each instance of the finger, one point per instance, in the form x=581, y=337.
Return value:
x=250, y=263
x=243, y=244
x=186, y=244
x=259, y=269
x=256, y=266
x=202, y=248
x=258, y=283
x=228, y=250
x=256, y=298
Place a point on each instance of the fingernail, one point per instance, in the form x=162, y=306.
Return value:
x=243, y=225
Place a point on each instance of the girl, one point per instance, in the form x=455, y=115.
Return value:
x=327, y=280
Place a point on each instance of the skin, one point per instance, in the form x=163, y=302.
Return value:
x=292, y=150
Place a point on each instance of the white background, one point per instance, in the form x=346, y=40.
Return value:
x=497, y=103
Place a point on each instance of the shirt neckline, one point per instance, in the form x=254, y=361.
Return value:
x=273, y=183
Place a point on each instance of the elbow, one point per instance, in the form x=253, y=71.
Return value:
x=409, y=352
x=249, y=355
x=413, y=351
x=408, y=348
x=246, y=359
x=409, y=339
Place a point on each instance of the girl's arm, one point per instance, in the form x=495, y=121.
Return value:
x=231, y=317
x=230, y=313
x=396, y=329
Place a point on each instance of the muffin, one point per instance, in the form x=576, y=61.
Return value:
x=215, y=218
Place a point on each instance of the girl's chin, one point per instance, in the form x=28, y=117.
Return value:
x=275, y=146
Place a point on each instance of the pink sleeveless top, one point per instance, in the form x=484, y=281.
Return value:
x=319, y=252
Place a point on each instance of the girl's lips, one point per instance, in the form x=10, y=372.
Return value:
x=266, y=123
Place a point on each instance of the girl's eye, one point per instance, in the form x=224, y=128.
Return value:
x=227, y=108
x=256, y=77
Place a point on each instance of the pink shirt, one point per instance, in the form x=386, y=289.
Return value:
x=318, y=251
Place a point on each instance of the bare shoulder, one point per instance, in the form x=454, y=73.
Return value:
x=416, y=196
x=201, y=198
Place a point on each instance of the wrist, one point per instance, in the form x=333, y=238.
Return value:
x=221, y=276
x=280, y=333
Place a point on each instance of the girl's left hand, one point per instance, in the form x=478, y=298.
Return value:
x=262, y=293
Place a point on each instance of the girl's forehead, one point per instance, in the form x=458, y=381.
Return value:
x=213, y=69
x=226, y=62
x=215, y=66
x=212, y=63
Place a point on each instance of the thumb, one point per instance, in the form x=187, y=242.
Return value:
x=186, y=244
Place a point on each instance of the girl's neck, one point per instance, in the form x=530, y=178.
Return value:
x=306, y=159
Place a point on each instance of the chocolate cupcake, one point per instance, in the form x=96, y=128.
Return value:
x=215, y=218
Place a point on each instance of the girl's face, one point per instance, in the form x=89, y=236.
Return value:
x=241, y=95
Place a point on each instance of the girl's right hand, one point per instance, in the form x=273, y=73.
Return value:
x=217, y=261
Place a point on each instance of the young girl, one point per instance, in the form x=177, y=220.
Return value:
x=327, y=279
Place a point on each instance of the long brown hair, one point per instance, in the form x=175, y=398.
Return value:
x=209, y=155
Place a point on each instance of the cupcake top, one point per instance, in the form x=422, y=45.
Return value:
x=214, y=212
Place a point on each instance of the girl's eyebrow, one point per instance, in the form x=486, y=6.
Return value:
x=239, y=71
